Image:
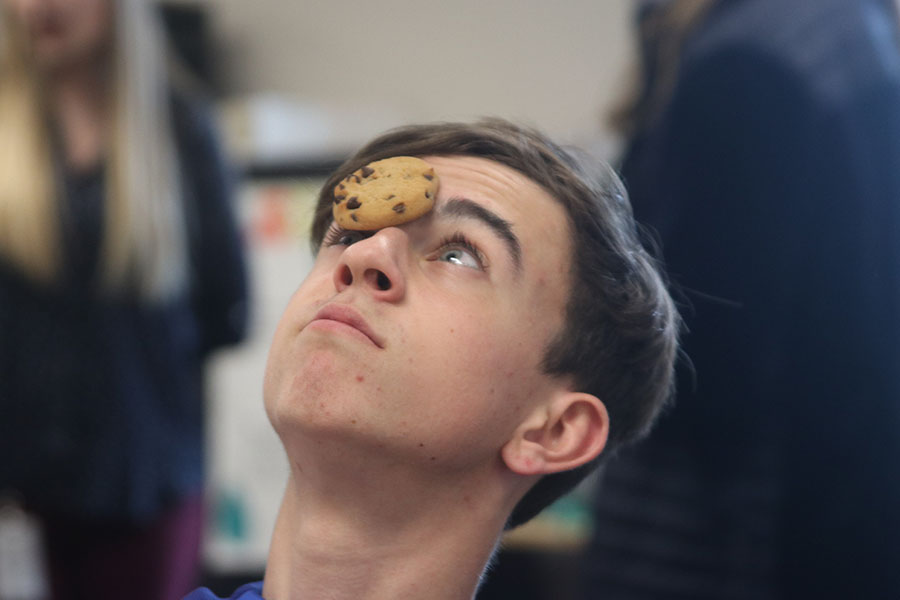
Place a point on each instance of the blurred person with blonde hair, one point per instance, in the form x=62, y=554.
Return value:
x=763, y=145
x=121, y=268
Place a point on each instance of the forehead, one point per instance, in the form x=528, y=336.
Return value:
x=493, y=179
x=537, y=219
x=497, y=187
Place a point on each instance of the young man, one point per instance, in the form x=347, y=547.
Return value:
x=437, y=382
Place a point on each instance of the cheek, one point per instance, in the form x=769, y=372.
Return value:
x=276, y=372
x=477, y=362
x=282, y=360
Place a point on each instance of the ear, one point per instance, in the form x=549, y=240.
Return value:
x=566, y=433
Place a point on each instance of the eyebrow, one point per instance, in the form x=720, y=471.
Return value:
x=467, y=209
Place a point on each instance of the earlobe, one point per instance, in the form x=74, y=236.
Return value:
x=568, y=433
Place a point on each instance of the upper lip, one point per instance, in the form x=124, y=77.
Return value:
x=349, y=316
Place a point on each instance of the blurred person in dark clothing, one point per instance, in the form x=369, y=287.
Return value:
x=121, y=268
x=764, y=149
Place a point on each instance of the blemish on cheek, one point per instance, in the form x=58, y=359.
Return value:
x=353, y=421
x=360, y=378
x=434, y=458
x=421, y=445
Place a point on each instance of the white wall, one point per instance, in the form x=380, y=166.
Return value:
x=555, y=65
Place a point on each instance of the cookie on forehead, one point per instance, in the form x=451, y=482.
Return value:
x=387, y=192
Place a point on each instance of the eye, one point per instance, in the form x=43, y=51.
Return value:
x=338, y=236
x=460, y=257
x=458, y=250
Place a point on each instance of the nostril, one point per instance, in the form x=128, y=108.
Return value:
x=346, y=275
x=383, y=282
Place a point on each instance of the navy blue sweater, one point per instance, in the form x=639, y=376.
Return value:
x=773, y=179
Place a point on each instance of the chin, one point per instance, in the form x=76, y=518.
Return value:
x=315, y=400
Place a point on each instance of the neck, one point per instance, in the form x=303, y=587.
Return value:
x=79, y=102
x=373, y=538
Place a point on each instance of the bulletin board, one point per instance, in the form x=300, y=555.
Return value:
x=246, y=466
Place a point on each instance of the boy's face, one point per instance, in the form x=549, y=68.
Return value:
x=425, y=340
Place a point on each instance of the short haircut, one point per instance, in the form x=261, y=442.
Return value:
x=620, y=336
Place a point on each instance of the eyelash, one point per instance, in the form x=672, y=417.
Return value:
x=336, y=232
x=457, y=240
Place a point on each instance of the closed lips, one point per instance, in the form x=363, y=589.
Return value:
x=348, y=316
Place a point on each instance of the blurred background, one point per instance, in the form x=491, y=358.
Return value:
x=759, y=140
x=350, y=72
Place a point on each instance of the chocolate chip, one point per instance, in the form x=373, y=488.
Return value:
x=338, y=199
x=429, y=176
x=356, y=177
x=391, y=197
x=366, y=171
x=399, y=208
x=353, y=203
x=428, y=194
x=353, y=216
x=341, y=186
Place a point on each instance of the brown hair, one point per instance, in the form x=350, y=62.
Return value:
x=663, y=31
x=620, y=336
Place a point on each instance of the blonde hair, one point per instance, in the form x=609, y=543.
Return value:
x=144, y=246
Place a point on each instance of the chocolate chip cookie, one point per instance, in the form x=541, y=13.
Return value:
x=386, y=192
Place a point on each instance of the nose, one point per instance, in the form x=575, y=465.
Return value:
x=377, y=264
